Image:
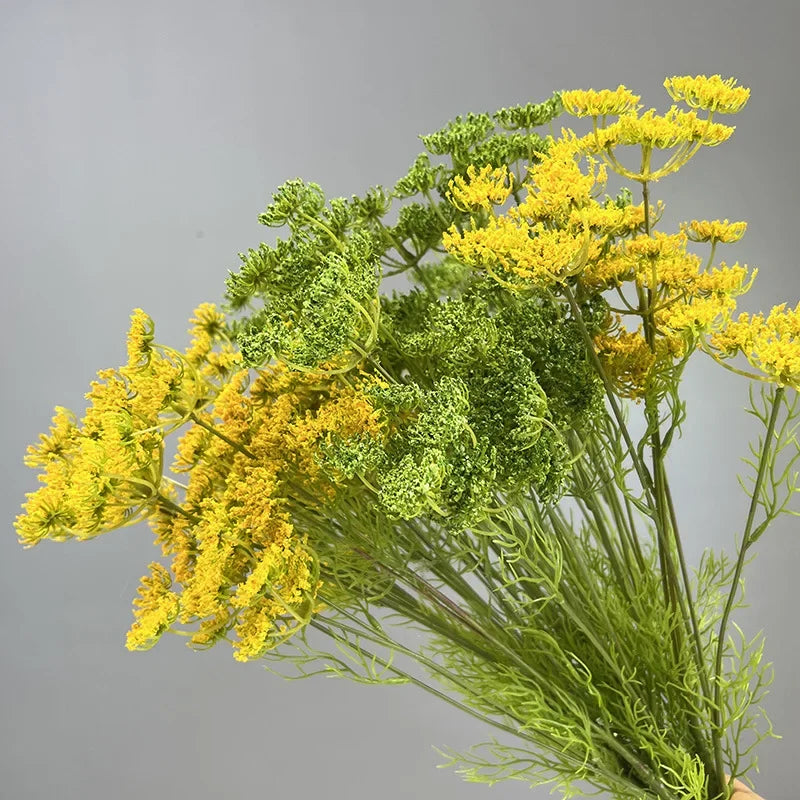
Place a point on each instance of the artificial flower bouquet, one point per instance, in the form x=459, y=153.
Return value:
x=479, y=455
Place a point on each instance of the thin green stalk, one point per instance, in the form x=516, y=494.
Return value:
x=624, y=518
x=687, y=585
x=666, y=524
x=641, y=470
x=590, y=507
x=175, y=508
x=751, y=515
x=542, y=738
x=420, y=683
x=573, y=607
x=635, y=763
x=212, y=430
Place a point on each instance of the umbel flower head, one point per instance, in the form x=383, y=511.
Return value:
x=709, y=93
x=104, y=472
x=770, y=343
x=589, y=103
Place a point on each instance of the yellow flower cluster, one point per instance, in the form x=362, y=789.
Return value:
x=714, y=231
x=552, y=233
x=103, y=473
x=561, y=231
x=628, y=360
x=533, y=253
x=210, y=351
x=482, y=188
x=667, y=130
x=682, y=132
x=685, y=297
x=608, y=220
x=589, y=103
x=557, y=186
x=771, y=344
x=157, y=607
x=235, y=550
x=711, y=94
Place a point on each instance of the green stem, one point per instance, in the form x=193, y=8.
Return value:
x=666, y=524
x=751, y=515
x=175, y=508
x=322, y=226
x=541, y=739
x=211, y=429
x=418, y=682
x=641, y=470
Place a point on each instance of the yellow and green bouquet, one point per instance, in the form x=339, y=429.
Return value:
x=478, y=455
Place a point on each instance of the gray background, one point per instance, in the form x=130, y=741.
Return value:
x=138, y=143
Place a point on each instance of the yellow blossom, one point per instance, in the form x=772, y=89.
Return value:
x=609, y=270
x=711, y=94
x=696, y=314
x=539, y=256
x=61, y=439
x=557, y=185
x=208, y=329
x=675, y=272
x=630, y=362
x=212, y=629
x=733, y=280
x=156, y=609
x=220, y=363
x=254, y=628
x=204, y=592
x=154, y=389
x=140, y=339
x=771, y=344
x=264, y=622
x=608, y=220
x=668, y=130
x=481, y=189
x=234, y=408
x=714, y=230
x=48, y=513
x=591, y=103
x=627, y=360
x=104, y=476
x=656, y=245
x=192, y=445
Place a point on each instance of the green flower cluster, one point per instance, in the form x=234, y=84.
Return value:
x=318, y=287
x=505, y=379
x=479, y=386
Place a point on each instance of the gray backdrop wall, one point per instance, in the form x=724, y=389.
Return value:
x=138, y=143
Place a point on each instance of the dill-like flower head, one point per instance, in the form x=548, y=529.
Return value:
x=709, y=93
x=770, y=343
x=714, y=230
x=591, y=103
x=481, y=189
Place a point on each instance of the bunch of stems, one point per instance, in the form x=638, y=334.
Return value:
x=574, y=628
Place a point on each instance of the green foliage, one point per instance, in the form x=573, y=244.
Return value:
x=422, y=226
x=781, y=478
x=503, y=148
x=456, y=331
